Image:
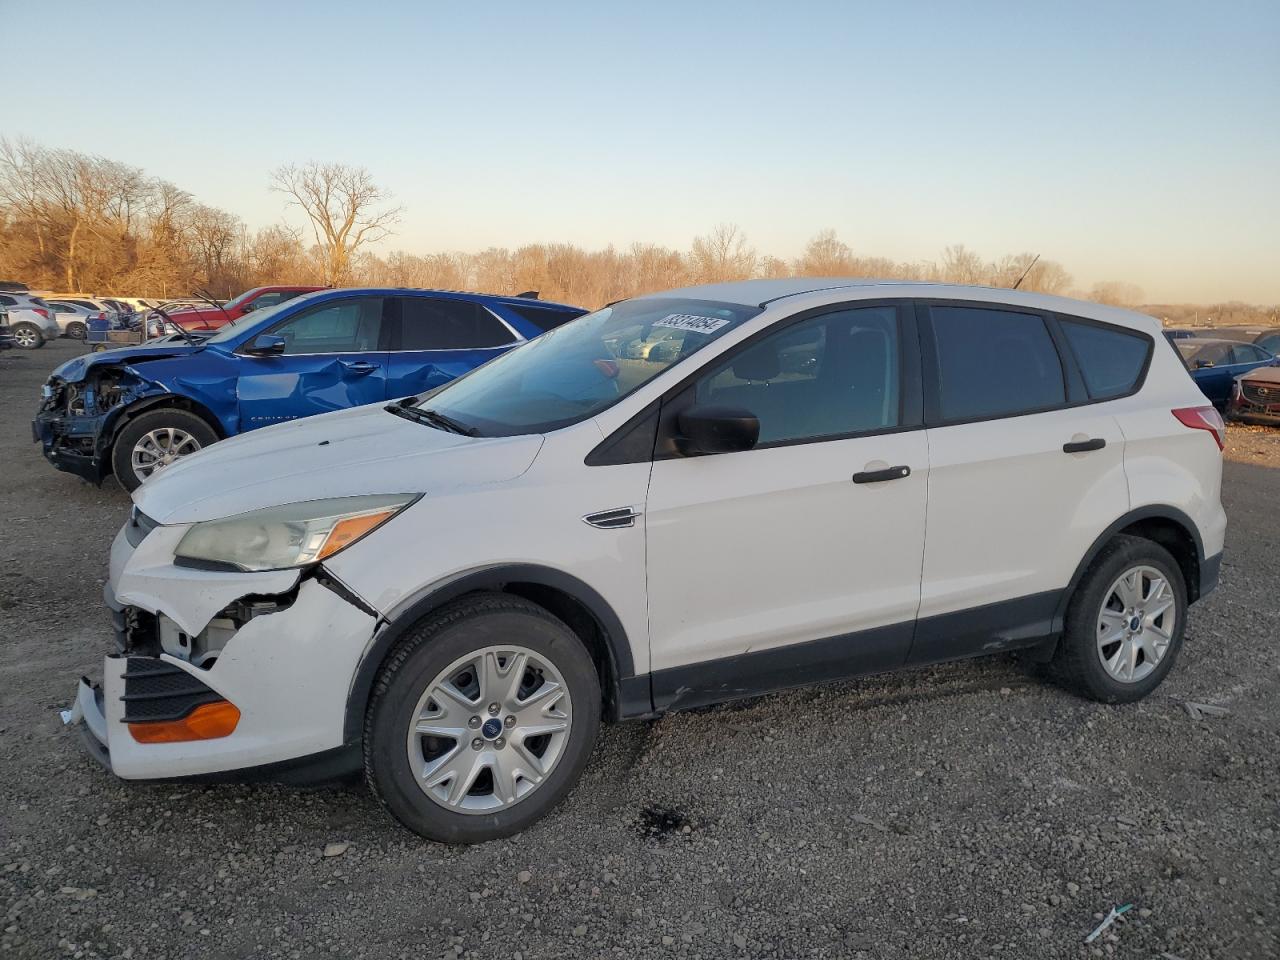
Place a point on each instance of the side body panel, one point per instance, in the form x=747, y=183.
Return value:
x=769, y=548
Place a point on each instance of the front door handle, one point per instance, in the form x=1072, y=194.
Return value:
x=880, y=476
x=1084, y=446
x=359, y=366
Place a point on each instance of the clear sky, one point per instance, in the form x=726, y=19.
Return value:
x=1129, y=140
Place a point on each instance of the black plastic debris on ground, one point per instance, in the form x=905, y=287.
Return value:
x=659, y=821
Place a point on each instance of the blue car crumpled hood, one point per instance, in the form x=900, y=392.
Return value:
x=77, y=368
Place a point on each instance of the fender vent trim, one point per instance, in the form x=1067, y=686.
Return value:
x=613, y=519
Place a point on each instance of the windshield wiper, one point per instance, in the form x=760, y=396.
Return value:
x=431, y=418
x=169, y=320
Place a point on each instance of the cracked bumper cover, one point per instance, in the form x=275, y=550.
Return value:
x=287, y=672
x=72, y=444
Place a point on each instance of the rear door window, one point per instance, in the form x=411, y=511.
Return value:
x=1111, y=359
x=431, y=324
x=994, y=363
x=1246, y=353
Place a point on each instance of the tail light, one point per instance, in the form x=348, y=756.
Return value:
x=1203, y=418
x=42, y=311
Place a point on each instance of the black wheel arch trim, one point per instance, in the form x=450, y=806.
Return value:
x=622, y=679
x=123, y=415
x=1149, y=512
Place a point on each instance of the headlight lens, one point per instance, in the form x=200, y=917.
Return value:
x=293, y=535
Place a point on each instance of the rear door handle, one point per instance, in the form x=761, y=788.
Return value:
x=880, y=476
x=360, y=366
x=1084, y=446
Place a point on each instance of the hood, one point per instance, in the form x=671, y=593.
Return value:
x=75, y=369
x=1262, y=374
x=365, y=450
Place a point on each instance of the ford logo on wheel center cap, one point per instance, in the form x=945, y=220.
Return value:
x=492, y=728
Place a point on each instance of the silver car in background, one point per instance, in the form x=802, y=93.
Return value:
x=73, y=318
x=31, y=320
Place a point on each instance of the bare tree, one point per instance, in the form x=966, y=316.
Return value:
x=722, y=255
x=346, y=208
x=825, y=256
x=961, y=265
x=1117, y=293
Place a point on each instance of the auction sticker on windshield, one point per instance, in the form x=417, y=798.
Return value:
x=692, y=323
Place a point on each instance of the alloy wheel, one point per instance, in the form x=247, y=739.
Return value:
x=159, y=448
x=489, y=729
x=1136, y=623
x=25, y=337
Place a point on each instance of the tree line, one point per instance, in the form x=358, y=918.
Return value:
x=75, y=222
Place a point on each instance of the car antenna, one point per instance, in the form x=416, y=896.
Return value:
x=1033, y=262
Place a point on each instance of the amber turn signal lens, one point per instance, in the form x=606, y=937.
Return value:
x=209, y=721
x=346, y=532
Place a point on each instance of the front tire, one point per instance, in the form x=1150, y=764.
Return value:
x=28, y=335
x=441, y=759
x=151, y=442
x=1124, y=624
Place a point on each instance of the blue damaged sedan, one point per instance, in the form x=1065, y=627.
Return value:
x=134, y=411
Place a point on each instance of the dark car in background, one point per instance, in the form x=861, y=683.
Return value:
x=1215, y=364
x=135, y=410
x=1268, y=338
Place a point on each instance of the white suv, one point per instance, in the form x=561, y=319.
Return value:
x=677, y=500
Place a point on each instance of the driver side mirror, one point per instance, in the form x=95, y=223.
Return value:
x=710, y=429
x=266, y=345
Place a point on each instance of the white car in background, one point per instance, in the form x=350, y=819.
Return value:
x=450, y=591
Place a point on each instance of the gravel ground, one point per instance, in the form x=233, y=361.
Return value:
x=963, y=811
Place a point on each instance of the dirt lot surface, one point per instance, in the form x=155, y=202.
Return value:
x=965, y=811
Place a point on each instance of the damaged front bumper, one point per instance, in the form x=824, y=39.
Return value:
x=72, y=443
x=280, y=647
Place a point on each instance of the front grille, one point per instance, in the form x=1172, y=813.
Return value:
x=1263, y=394
x=155, y=690
x=137, y=631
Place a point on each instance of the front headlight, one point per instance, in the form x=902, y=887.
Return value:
x=293, y=535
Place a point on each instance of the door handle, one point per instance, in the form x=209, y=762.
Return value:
x=359, y=366
x=1084, y=446
x=880, y=476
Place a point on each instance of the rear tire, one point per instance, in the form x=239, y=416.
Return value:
x=1116, y=647
x=409, y=770
x=77, y=330
x=28, y=335
x=150, y=435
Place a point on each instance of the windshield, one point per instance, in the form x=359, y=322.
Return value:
x=583, y=367
x=237, y=301
x=234, y=328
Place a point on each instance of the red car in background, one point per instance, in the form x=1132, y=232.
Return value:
x=259, y=298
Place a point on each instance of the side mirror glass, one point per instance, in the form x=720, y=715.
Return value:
x=266, y=345
x=710, y=429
